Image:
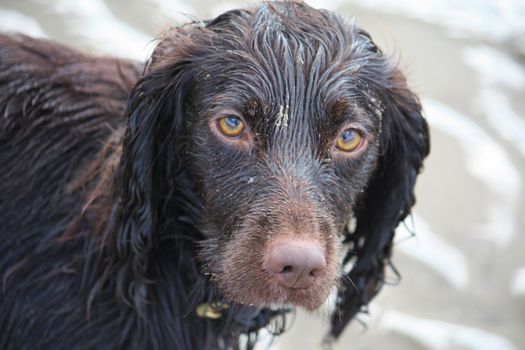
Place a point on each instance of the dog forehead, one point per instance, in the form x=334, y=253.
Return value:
x=280, y=46
x=301, y=65
x=303, y=58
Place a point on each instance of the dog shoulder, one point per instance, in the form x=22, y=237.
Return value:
x=44, y=80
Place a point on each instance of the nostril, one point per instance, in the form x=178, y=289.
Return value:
x=286, y=269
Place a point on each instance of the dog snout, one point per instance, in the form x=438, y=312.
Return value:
x=295, y=264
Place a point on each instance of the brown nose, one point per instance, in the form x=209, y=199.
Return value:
x=295, y=264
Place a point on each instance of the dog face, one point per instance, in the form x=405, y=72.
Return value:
x=290, y=123
x=281, y=151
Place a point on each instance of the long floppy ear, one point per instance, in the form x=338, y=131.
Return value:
x=149, y=163
x=404, y=143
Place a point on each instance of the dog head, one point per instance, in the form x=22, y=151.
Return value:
x=291, y=124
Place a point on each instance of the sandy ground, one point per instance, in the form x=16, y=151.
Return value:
x=463, y=276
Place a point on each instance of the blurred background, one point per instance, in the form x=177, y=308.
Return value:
x=463, y=273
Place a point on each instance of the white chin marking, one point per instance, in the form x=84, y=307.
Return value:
x=278, y=306
x=329, y=304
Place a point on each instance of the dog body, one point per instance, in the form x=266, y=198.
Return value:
x=222, y=175
x=49, y=96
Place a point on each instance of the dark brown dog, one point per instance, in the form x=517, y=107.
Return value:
x=184, y=206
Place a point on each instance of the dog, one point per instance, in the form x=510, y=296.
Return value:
x=258, y=162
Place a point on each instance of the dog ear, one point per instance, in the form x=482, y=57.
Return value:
x=388, y=198
x=150, y=162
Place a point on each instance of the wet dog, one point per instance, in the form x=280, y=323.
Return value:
x=256, y=162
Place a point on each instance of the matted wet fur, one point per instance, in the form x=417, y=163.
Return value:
x=123, y=209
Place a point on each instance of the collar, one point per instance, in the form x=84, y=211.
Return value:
x=212, y=310
x=250, y=318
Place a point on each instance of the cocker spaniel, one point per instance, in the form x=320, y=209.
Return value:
x=258, y=161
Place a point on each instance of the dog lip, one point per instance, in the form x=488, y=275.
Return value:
x=308, y=298
x=305, y=301
x=303, y=297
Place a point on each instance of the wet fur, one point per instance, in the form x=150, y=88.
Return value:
x=121, y=211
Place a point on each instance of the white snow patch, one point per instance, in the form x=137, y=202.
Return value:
x=494, y=66
x=486, y=19
x=439, y=335
x=502, y=118
x=487, y=161
x=176, y=10
x=430, y=249
x=517, y=286
x=13, y=21
x=95, y=23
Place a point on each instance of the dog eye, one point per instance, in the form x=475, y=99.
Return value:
x=349, y=140
x=231, y=126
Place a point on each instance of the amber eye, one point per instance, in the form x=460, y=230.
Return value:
x=349, y=140
x=231, y=126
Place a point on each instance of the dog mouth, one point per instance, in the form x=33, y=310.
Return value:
x=279, y=280
x=297, y=267
x=275, y=296
x=308, y=298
